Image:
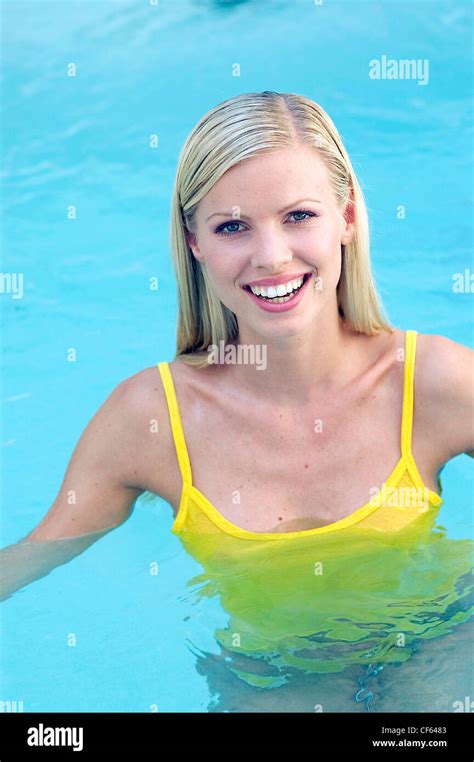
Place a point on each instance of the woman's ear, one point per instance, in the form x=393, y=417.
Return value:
x=191, y=240
x=349, y=220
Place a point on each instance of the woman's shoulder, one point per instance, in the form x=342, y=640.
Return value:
x=444, y=367
x=441, y=351
x=144, y=402
x=444, y=391
x=146, y=393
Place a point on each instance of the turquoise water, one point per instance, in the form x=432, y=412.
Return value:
x=102, y=633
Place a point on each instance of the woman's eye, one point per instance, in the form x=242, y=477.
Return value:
x=221, y=230
x=306, y=212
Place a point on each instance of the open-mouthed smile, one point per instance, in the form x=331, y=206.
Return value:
x=281, y=296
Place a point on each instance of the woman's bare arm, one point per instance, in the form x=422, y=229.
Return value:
x=97, y=494
x=26, y=561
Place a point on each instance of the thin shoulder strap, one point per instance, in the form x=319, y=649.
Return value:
x=408, y=393
x=175, y=420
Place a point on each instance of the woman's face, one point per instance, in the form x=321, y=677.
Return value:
x=269, y=216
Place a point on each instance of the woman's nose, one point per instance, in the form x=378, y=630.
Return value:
x=271, y=251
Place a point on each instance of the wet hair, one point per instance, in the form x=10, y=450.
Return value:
x=239, y=128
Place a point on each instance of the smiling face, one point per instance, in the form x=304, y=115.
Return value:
x=273, y=219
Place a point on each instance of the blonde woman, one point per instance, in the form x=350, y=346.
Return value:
x=293, y=411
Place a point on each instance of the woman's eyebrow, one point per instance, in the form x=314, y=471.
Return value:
x=280, y=211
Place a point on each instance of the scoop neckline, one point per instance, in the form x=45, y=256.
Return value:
x=404, y=463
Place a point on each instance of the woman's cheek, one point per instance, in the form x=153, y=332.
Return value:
x=224, y=269
x=222, y=280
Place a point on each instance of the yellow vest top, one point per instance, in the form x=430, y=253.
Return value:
x=362, y=589
x=401, y=499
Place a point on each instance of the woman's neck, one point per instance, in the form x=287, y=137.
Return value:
x=298, y=369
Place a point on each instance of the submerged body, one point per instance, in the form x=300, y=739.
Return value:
x=361, y=589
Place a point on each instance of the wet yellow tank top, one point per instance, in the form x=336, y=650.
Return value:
x=320, y=600
x=401, y=500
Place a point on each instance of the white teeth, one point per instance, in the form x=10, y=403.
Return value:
x=281, y=290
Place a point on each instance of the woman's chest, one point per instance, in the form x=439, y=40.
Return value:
x=289, y=471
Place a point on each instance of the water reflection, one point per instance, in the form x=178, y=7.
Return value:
x=313, y=621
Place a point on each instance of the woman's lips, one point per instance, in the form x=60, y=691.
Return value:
x=287, y=278
x=280, y=306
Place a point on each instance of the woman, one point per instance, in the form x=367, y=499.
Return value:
x=265, y=192
x=289, y=411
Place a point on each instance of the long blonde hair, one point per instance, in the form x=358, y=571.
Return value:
x=239, y=128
